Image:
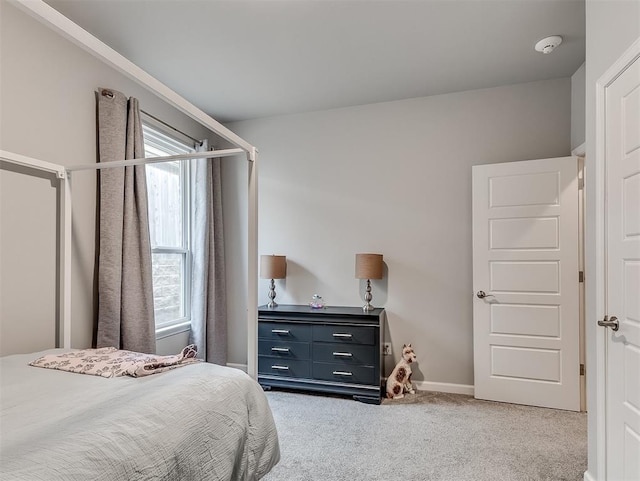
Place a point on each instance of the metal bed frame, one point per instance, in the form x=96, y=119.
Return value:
x=65, y=27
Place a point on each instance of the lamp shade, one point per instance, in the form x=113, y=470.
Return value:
x=369, y=266
x=273, y=267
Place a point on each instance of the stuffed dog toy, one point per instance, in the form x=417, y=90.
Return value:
x=400, y=380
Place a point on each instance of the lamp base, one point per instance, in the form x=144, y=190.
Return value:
x=272, y=295
x=367, y=297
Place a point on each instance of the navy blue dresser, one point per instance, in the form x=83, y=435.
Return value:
x=333, y=350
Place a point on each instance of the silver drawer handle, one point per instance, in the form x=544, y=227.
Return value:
x=343, y=354
x=342, y=373
x=280, y=349
x=280, y=331
x=280, y=368
x=347, y=336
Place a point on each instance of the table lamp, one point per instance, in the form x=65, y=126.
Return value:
x=368, y=266
x=273, y=267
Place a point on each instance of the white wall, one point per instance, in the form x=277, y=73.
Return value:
x=612, y=26
x=393, y=178
x=47, y=110
x=578, y=98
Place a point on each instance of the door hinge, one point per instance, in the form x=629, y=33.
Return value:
x=581, y=276
x=580, y=184
x=582, y=369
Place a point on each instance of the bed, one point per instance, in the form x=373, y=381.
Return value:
x=198, y=422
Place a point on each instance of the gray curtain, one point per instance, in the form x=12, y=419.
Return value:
x=208, y=288
x=125, y=286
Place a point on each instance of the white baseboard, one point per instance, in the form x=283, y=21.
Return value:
x=420, y=385
x=242, y=367
x=588, y=477
x=444, y=387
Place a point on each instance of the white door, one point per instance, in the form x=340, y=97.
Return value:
x=525, y=262
x=622, y=290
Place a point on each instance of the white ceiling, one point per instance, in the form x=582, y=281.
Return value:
x=241, y=59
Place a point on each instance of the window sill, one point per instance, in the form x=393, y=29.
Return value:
x=172, y=330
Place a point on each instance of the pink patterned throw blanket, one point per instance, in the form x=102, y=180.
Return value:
x=112, y=362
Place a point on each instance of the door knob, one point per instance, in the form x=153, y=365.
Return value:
x=481, y=294
x=612, y=323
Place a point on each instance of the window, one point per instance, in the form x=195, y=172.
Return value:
x=168, y=194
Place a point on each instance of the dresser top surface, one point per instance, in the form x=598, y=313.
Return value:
x=324, y=312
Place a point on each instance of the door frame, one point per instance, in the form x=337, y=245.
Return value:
x=612, y=73
x=580, y=153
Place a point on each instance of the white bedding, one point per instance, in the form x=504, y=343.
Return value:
x=200, y=422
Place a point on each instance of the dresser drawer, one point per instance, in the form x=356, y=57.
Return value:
x=284, y=331
x=333, y=350
x=283, y=367
x=284, y=349
x=344, y=334
x=342, y=373
x=341, y=353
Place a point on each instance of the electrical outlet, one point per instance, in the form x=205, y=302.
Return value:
x=386, y=349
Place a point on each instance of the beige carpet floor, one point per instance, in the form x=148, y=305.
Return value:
x=426, y=436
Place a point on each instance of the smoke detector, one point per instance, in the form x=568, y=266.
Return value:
x=548, y=44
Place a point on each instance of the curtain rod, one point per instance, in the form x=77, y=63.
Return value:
x=199, y=142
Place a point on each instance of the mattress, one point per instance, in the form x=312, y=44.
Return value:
x=197, y=422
